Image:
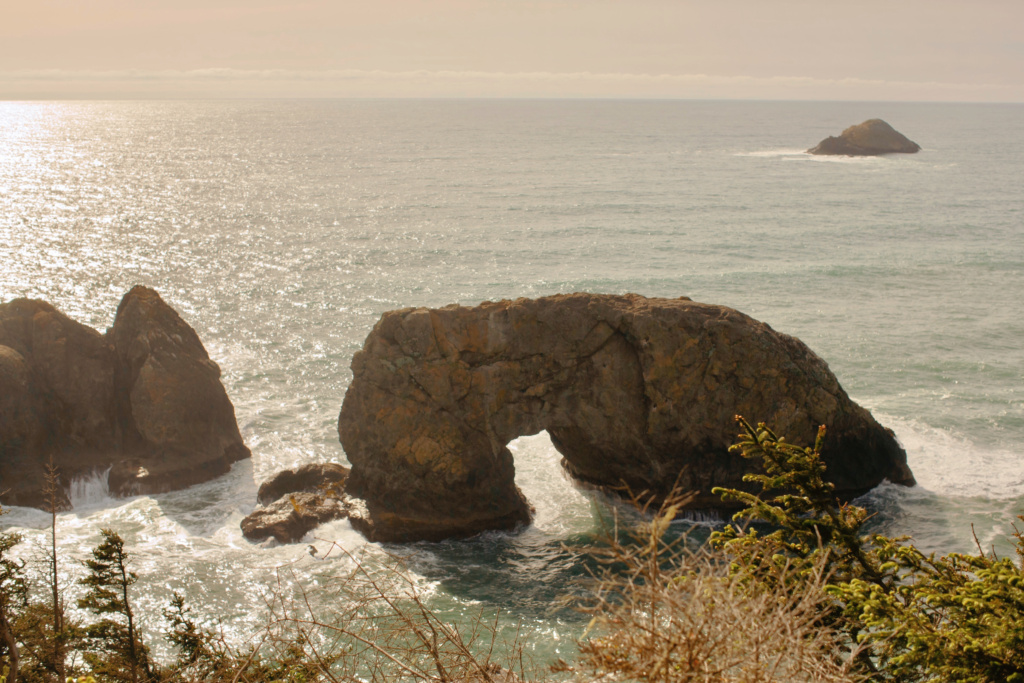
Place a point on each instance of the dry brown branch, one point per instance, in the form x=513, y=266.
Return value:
x=380, y=629
x=663, y=613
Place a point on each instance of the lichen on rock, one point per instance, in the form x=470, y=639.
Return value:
x=296, y=501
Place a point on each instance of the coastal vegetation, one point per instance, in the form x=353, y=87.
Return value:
x=796, y=588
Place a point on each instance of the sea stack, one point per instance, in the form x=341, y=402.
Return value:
x=634, y=392
x=871, y=138
x=143, y=400
x=294, y=502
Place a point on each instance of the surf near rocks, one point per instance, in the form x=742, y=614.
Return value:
x=633, y=391
x=144, y=399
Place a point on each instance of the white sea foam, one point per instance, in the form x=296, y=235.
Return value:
x=951, y=464
x=560, y=507
x=90, y=490
x=803, y=155
x=709, y=518
x=774, y=153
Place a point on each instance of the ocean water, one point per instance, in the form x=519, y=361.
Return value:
x=282, y=230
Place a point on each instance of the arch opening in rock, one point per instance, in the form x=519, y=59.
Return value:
x=633, y=391
x=561, y=508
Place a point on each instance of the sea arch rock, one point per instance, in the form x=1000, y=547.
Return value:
x=633, y=391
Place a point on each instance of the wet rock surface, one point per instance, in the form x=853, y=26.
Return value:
x=297, y=501
x=633, y=391
x=291, y=517
x=311, y=477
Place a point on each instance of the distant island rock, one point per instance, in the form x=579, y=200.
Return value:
x=143, y=400
x=871, y=138
x=633, y=391
x=297, y=501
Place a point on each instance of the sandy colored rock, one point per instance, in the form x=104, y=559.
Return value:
x=871, y=138
x=633, y=391
x=144, y=400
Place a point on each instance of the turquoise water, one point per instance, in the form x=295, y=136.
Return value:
x=282, y=230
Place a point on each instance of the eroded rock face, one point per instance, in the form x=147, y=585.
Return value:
x=144, y=399
x=634, y=391
x=871, y=138
x=297, y=501
x=176, y=418
x=56, y=398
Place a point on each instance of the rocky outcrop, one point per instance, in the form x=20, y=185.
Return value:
x=143, y=400
x=871, y=138
x=292, y=517
x=311, y=477
x=297, y=501
x=56, y=398
x=633, y=391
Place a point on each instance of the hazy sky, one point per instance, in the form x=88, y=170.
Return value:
x=779, y=49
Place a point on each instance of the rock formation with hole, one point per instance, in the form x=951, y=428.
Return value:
x=634, y=392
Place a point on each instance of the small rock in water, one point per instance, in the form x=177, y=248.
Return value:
x=309, y=477
x=874, y=137
x=292, y=517
x=296, y=502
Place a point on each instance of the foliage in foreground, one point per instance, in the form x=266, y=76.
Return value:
x=906, y=616
x=379, y=630
x=794, y=590
x=664, y=613
x=115, y=649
